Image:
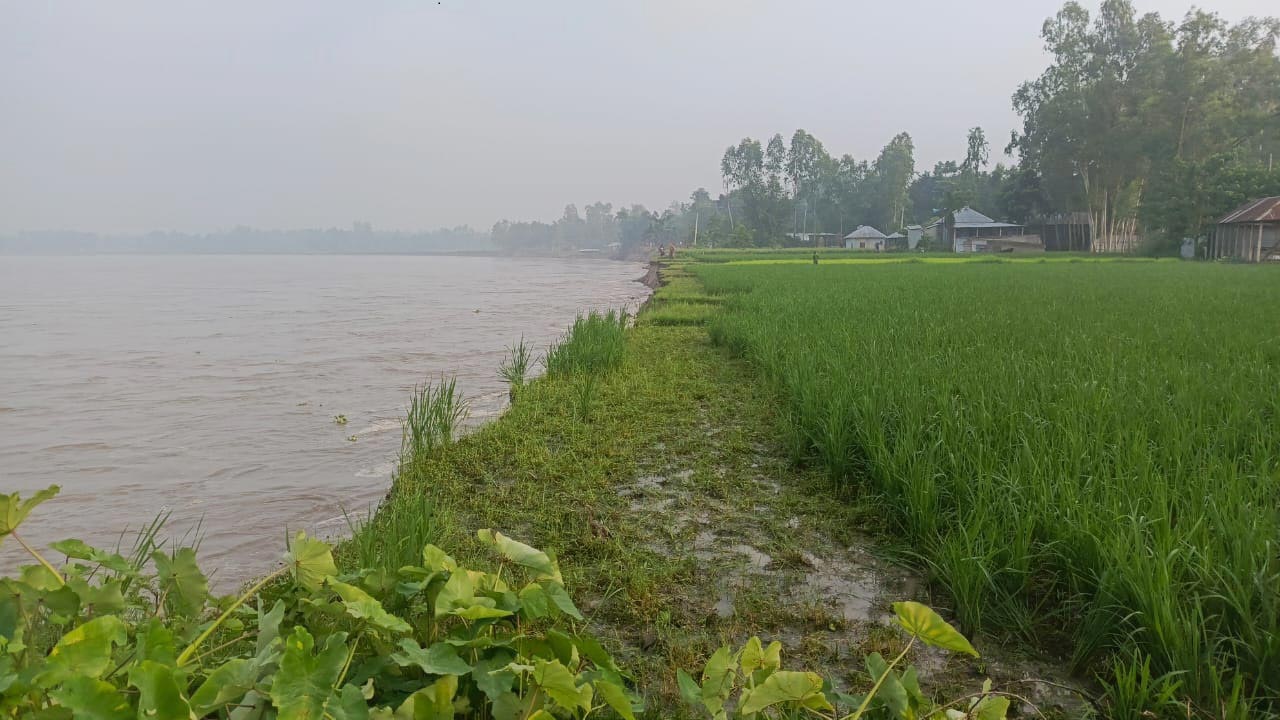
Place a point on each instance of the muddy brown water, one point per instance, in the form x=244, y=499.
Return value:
x=206, y=387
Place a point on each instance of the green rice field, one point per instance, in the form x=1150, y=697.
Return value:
x=1083, y=455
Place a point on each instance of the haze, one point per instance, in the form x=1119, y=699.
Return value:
x=132, y=116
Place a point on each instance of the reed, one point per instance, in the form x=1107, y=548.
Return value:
x=594, y=344
x=435, y=414
x=515, y=367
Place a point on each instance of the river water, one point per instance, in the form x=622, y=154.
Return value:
x=206, y=386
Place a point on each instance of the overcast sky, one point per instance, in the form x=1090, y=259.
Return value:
x=127, y=116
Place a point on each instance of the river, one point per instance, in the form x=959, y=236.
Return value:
x=206, y=387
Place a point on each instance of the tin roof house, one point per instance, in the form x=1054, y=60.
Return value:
x=1251, y=232
x=865, y=238
x=967, y=230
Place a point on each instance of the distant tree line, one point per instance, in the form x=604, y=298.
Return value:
x=1139, y=127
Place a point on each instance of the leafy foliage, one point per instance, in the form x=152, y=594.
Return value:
x=751, y=683
x=426, y=641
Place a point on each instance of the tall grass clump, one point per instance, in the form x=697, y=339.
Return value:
x=393, y=537
x=1085, y=455
x=515, y=367
x=435, y=414
x=595, y=343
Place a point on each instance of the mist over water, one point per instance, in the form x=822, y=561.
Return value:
x=207, y=386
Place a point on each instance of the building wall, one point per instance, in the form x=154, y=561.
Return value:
x=1242, y=241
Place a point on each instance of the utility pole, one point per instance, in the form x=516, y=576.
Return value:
x=696, y=217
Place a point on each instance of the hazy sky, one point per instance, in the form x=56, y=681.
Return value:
x=124, y=116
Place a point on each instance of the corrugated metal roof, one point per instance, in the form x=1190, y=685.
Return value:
x=865, y=232
x=991, y=224
x=968, y=216
x=1255, y=211
x=895, y=236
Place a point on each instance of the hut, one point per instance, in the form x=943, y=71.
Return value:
x=895, y=241
x=1251, y=232
x=865, y=238
x=967, y=230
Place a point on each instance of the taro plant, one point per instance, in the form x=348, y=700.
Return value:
x=751, y=683
x=103, y=636
x=515, y=367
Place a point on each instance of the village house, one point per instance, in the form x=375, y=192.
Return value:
x=865, y=238
x=966, y=230
x=1251, y=232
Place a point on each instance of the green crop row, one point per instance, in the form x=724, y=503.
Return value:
x=1084, y=455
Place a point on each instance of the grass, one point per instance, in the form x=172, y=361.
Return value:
x=435, y=415
x=595, y=343
x=1084, y=455
x=515, y=367
x=566, y=467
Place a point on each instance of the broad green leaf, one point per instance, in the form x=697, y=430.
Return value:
x=491, y=675
x=97, y=599
x=562, y=647
x=718, y=679
x=13, y=509
x=362, y=606
x=227, y=684
x=79, y=550
x=84, y=651
x=481, y=612
x=93, y=699
x=159, y=691
x=434, y=702
x=268, y=628
x=991, y=707
x=924, y=623
x=801, y=688
x=350, y=704
x=437, y=560
x=617, y=699
x=891, y=692
x=560, y=598
x=311, y=561
x=596, y=653
x=154, y=641
x=534, y=601
x=689, y=689
x=752, y=656
x=41, y=578
x=458, y=597
x=181, y=580
x=521, y=554
x=507, y=706
x=304, y=683
x=439, y=659
x=560, y=685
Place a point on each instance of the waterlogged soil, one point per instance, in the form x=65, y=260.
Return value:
x=769, y=564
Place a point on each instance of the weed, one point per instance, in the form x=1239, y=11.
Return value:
x=515, y=367
x=594, y=344
x=435, y=415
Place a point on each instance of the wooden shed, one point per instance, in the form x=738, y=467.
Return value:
x=1251, y=232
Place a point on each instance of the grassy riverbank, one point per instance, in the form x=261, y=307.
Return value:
x=1077, y=455
x=679, y=521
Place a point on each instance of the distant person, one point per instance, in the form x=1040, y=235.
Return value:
x=671, y=251
x=815, y=257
